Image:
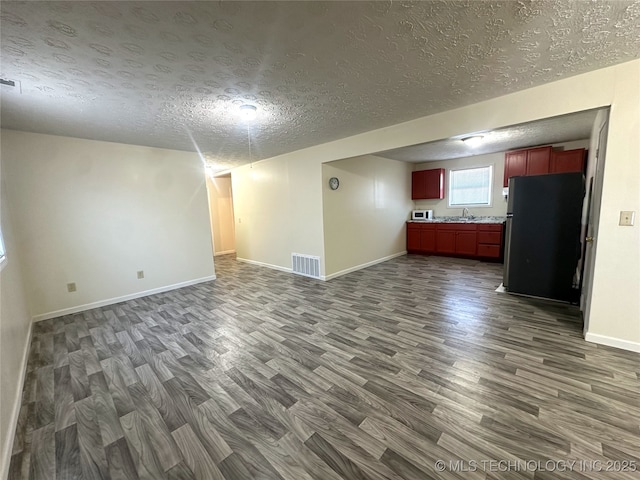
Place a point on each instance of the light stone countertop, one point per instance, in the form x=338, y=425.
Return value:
x=462, y=220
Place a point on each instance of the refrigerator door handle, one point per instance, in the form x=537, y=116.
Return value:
x=507, y=251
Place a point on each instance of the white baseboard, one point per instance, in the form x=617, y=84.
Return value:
x=361, y=266
x=124, y=298
x=262, y=264
x=5, y=459
x=226, y=252
x=613, y=342
x=323, y=277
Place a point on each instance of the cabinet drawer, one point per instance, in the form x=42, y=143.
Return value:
x=492, y=238
x=491, y=227
x=421, y=226
x=491, y=251
x=428, y=226
x=458, y=227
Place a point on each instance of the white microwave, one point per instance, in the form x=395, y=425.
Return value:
x=422, y=215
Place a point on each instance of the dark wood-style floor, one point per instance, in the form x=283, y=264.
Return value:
x=374, y=375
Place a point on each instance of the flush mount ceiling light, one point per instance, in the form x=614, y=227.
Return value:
x=473, y=141
x=248, y=112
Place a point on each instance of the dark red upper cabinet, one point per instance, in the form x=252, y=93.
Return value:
x=568, y=161
x=515, y=165
x=538, y=160
x=531, y=161
x=418, y=186
x=427, y=184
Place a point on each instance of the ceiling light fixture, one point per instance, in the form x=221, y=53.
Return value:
x=248, y=112
x=473, y=141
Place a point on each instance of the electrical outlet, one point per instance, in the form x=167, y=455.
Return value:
x=627, y=218
x=71, y=287
x=140, y=274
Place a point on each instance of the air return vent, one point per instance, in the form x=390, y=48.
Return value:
x=306, y=265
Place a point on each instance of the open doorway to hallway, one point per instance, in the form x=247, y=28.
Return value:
x=221, y=214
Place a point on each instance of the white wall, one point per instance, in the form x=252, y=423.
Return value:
x=614, y=316
x=95, y=213
x=617, y=273
x=262, y=213
x=499, y=204
x=15, y=324
x=365, y=219
x=278, y=210
x=221, y=214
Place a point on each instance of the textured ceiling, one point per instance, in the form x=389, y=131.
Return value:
x=564, y=128
x=172, y=74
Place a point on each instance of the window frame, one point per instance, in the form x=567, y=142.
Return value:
x=491, y=168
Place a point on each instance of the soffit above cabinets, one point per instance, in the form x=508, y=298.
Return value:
x=561, y=129
x=172, y=74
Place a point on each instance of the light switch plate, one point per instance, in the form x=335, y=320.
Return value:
x=627, y=217
x=140, y=274
x=71, y=287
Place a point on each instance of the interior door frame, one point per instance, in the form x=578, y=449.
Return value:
x=593, y=219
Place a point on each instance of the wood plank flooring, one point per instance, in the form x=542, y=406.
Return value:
x=375, y=375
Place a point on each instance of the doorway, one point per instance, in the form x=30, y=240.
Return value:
x=594, y=177
x=221, y=214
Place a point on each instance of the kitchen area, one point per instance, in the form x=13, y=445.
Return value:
x=522, y=208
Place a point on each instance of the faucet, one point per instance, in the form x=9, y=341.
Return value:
x=465, y=212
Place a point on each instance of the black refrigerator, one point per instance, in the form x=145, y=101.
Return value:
x=542, y=244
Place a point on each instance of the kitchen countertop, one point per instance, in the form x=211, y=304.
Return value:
x=462, y=220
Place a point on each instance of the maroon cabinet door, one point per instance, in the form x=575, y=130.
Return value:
x=568, y=161
x=413, y=238
x=428, y=239
x=427, y=184
x=418, y=185
x=538, y=160
x=466, y=243
x=446, y=241
x=515, y=165
x=435, y=183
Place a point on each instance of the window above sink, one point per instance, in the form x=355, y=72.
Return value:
x=471, y=187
